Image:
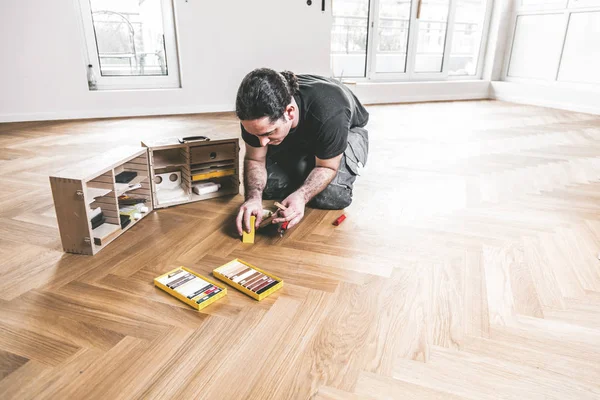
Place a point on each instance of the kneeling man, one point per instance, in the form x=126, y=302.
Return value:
x=305, y=143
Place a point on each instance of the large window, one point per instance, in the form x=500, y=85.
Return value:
x=408, y=39
x=556, y=42
x=349, y=37
x=130, y=44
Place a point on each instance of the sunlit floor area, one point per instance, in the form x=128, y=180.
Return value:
x=467, y=268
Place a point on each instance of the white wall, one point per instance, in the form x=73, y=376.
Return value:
x=498, y=36
x=553, y=96
x=43, y=75
x=553, y=55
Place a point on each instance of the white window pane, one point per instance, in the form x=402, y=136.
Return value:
x=129, y=37
x=431, y=35
x=581, y=55
x=583, y=3
x=349, y=37
x=535, y=3
x=392, y=35
x=536, y=46
x=466, y=39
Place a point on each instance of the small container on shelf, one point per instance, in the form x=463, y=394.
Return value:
x=202, y=188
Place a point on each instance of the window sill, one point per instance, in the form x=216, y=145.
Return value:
x=367, y=82
x=133, y=89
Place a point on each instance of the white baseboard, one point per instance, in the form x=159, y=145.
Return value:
x=564, y=98
x=112, y=113
x=367, y=92
x=573, y=99
x=410, y=92
x=579, y=100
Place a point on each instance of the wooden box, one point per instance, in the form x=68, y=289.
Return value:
x=167, y=171
x=176, y=167
x=86, y=186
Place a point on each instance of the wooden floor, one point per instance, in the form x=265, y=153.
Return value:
x=467, y=269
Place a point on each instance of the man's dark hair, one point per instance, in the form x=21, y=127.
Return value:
x=265, y=93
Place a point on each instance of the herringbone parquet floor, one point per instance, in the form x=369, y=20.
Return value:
x=467, y=269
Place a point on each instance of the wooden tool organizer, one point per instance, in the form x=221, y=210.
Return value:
x=86, y=186
x=166, y=172
x=175, y=168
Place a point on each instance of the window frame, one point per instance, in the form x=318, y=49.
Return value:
x=169, y=81
x=569, y=8
x=371, y=74
x=555, y=5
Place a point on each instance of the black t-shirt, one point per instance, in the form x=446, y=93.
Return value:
x=328, y=109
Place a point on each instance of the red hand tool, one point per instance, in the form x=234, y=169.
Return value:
x=339, y=220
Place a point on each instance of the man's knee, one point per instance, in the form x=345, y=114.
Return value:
x=333, y=197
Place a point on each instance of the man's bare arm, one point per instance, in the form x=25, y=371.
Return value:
x=317, y=181
x=319, y=177
x=255, y=172
x=255, y=179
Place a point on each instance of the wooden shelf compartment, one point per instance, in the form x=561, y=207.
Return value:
x=93, y=193
x=170, y=199
x=117, y=233
x=122, y=188
x=192, y=158
x=166, y=198
x=229, y=186
x=212, y=152
x=210, y=170
x=175, y=157
x=104, y=181
x=104, y=233
x=109, y=207
x=85, y=186
x=138, y=164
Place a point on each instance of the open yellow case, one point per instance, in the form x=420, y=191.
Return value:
x=244, y=277
x=178, y=276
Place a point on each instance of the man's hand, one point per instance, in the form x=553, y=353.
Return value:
x=255, y=178
x=317, y=180
x=251, y=207
x=295, y=204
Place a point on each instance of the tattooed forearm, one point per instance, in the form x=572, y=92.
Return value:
x=255, y=178
x=316, y=182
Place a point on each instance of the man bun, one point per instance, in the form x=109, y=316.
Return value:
x=292, y=81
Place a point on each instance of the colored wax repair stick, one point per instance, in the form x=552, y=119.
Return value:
x=280, y=206
x=339, y=220
x=249, y=237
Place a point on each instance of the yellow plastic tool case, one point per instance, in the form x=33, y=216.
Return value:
x=191, y=288
x=248, y=279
